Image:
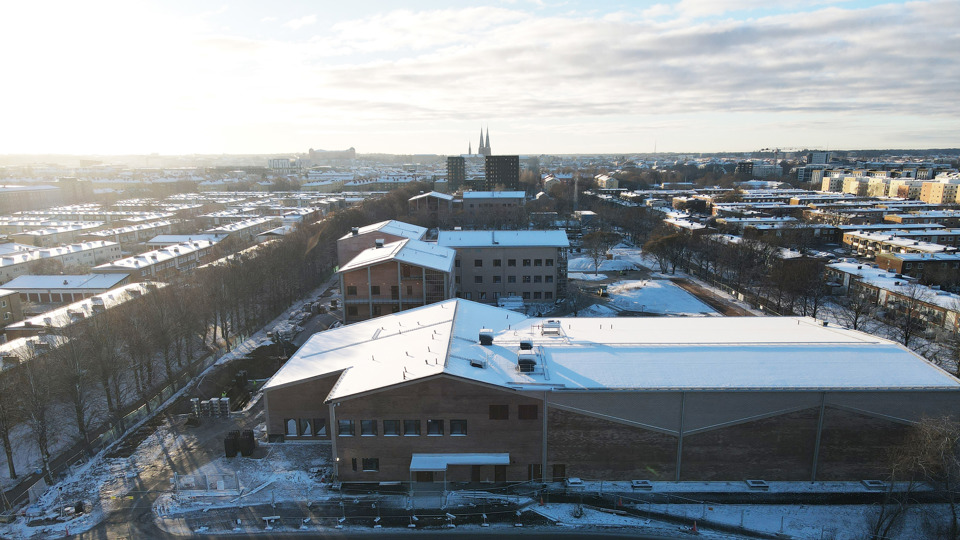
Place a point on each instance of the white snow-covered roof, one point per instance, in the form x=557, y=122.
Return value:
x=85, y=281
x=88, y=307
x=394, y=227
x=426, y=254
x=494, y=194
x=607, y=354
x=439, y=462
x=455, y=239
x=437, y=194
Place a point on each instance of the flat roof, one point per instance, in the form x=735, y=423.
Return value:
x=607, y=354
x=551, y=238
x=494, y=194
x=85, y=281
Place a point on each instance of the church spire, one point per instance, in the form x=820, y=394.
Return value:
x=488, y=141
x=469, y=148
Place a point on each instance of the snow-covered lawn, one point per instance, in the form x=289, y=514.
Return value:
x=586, y=277
x=585, y=265
x=656, y=296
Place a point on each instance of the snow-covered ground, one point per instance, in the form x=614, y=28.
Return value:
x=586, y=265
x=656, y=296
x=586, y=276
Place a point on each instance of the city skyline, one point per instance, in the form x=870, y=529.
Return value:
x=546, y=77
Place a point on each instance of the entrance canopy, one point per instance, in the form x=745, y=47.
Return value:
x=439, y=462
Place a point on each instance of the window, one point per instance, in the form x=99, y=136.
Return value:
x=526, y=262
x=411, y=428
x=306, y=427
x=368, y=427
x=375, y=290
x=499, y=412
x=456, y=263
x=409, y=290
x=478, y=262
x=435, y=427
x=548, y=295
x=511, y=262
x=548, y=279
x=394, y=292
x=352, y=311
x=549, y=262
x=319, y=427
x=3, y=303
x=478, y=279
x=538, y=262
x=511, y=279
x=6, y=316
x=468, y=296
x=526, y=279
x=527, y=412
x=391, y=428
x=482, y=295
x=456, y=280
x=377, y=311
x=345, y=428
x=351, y=290
x=290, y=425
x=497, y=279
x=370, y=464
x=526, y=296
x=496, y=262
x=536, y=295
x=537, y=279
x=458, y=427
x=353, y=463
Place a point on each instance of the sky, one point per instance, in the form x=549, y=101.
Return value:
x=192, y=76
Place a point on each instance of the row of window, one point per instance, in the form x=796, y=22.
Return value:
x=395, y=428
x=375, y=291
x=513, y=279
x=317, y=427
x=511, y=262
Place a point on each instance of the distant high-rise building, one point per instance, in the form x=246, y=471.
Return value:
x=456, y=172
x=502, y=172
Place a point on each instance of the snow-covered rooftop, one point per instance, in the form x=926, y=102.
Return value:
x=66, y=315
x=455, y=239
x=426, y=254
x=437, y=194
x=394, y=227
x=606, y=354
x=494, y=194
x=85, y=281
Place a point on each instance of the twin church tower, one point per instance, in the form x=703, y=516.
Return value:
x=484, y=149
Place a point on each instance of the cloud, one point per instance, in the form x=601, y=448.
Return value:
x=301, y=22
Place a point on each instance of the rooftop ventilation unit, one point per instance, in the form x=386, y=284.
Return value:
x=526, y=362
x=551, y=328
x=378, y=242
x=354, y=231
x=526, y=344
x=486, y=336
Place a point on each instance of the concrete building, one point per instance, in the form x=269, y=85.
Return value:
x=491, y=265
x=456, y=172
x=64, y=289
x=392, y=277
x=161, y=264
x=463, y=392
x=502, y=172
x=84, y=254
x=939, y=192
x=361, y=238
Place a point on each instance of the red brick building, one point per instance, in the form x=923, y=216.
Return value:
x=464, y=392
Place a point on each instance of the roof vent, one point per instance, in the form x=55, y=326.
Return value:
x=486, y=336
x=378, y=242
x=354, y=231
x=526, y=362
x=526, y=344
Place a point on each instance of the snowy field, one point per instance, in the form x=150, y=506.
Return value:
x=585, y=265
x=586, y=277
x=656, y=296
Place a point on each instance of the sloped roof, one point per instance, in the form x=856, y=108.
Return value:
x=394, y=227
x=414, y=252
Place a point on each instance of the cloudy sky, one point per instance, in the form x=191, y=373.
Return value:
x=422, y=77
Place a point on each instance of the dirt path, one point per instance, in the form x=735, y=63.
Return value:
x=722, y=305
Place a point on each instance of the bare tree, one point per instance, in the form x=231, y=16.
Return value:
x=33, y=384
x=597, y=244
x=73, y=380
x=857, y=308
x=576, y=298
x=9, y=417
x=907, y=311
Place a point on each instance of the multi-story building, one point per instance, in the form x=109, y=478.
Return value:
x=63, y=289
x=832, y=183
x=361, y=238
x=84, y=254
x=53, y=236
x=456, y=172
x=161, y=264
x=856, y=185
x=497, y=264
x=16, y=198
x=502, y=172
x=947, y=218
x=463, y=392
x=939, y=192
x=392, y=277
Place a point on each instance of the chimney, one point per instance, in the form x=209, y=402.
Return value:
x=486, y=336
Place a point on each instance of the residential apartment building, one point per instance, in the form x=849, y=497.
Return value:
x=10, y=307
x=84, y=254
x=947, y=218
x=392, y=277
x=490, y=265
x=161, y=264
x=53, y=236
x=943, y=192
x=63, y=289
x=464, y=392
